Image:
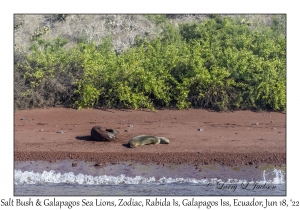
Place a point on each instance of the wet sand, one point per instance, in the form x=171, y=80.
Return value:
x=198, y=137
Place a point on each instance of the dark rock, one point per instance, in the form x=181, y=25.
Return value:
x=103, y=134
x=74, y=164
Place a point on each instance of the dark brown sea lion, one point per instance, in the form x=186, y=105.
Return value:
x=103, y=134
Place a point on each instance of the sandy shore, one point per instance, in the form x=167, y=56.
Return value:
x=199, y=137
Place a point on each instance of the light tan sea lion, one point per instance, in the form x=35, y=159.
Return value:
x=144, y=140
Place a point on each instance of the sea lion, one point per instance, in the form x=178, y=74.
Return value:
x=103, y=134
x=144, y=140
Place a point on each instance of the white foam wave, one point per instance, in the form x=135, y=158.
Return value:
x=279, y=177
x=26, y=177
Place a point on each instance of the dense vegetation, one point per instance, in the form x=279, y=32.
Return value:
x=222, y=64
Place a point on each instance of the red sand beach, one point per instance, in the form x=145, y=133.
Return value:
x=196, y=136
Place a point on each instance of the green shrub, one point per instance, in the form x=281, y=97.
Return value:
x=219, y=64
x=254, y=62
x=44, y=60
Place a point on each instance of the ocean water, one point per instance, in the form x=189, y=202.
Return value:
x=126, y=178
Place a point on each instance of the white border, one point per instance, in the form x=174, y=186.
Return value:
x=154, y=6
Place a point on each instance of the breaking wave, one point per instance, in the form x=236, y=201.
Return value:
x=26, y=177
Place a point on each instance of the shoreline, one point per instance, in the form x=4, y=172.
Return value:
x=133, y=169
x=197, y=159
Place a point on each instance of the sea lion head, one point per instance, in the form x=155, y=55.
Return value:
x=164, y=140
